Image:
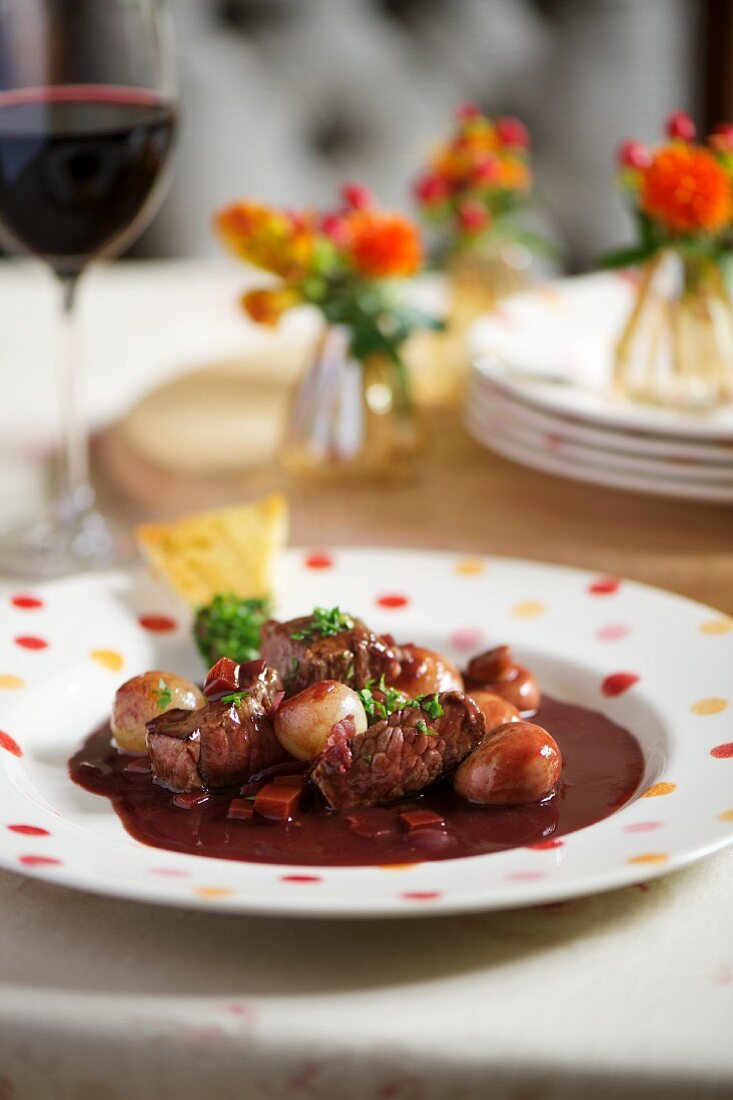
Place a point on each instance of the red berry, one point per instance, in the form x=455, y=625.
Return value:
x=473, y=216
x=467, y=111
x=356, y=197
x=486, y=171
x=680, y=127
x=430, y=188
x=511, y=131
x=334, y=227
x=632, y=154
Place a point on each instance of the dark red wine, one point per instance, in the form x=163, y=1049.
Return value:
x=77, y=167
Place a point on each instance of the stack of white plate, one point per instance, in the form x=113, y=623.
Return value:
x=539, y=394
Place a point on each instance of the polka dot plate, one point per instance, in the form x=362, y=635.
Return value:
x=656, y=663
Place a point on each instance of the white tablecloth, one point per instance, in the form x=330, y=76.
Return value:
x=628, y=994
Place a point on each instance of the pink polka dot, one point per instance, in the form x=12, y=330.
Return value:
x=467, y=638
x=723, y=752
x=10, y=744
x=319, y=560
x=169, y=872
x=613, y=632
x=392, y=600
x=525, y=876
x=28, y=830
x=604, y=586
x=300, y=878
x=30, y=641
x=618, y=682
x=542, y=845
x=39, y=861
x=421, y=895
x=158, y=624
x=26, y=603
x=643, y=826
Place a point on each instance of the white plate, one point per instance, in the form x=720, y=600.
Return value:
x=509, y=419
x=567, y=329
x=552, y=461
x=682, y=451
x=573, y=631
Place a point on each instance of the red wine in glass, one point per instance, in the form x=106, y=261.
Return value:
x=78, y=165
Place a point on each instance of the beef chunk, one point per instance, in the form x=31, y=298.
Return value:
x=217, y=746
x=353, y=656
x=400, y=755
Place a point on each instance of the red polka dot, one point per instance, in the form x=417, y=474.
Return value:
x=613, y=632
x=10, y=744
x=39, y=861
x=319, y=560
x=422, y=895
x=642, y=827
x=723, y=752
x=525, y=876
x=467, y=638
x=30, y=641
x=619, y=682
x=26, y=603
x=29, y=830
x=542, y=845
x=392, y=600
x=604, y=586
x=158, y=624
x=300, y=878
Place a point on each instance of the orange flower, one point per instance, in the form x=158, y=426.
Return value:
x=269, y=238
x=687, y=190
x=266, y=307
x=513, y=174
x=383, y=245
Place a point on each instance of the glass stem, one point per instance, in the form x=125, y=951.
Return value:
x=75, y=493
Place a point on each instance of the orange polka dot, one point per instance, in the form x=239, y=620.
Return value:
x=470, y=567
x=108, y=658
x=530, y=609
x=10, y=683
x=650, y=857
x=712, y=705
x=213, y=892
x=717, y=626
x=658, y=789
x=727, y=815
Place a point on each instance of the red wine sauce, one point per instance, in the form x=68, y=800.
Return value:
x=603, y=767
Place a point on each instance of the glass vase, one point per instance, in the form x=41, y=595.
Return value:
x=351, y=419
x=677, y=345
x=476, y=281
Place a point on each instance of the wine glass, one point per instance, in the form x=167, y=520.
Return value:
x=87, y=121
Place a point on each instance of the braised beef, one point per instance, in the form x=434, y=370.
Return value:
x=219, y=745
x=400, y=755
x=352, y=656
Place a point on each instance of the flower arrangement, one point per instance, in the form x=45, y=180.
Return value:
x=681, y=193
x=345, y=262
x=476, y=179
x=677, y=345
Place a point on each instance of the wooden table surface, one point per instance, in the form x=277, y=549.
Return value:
x=467, y=499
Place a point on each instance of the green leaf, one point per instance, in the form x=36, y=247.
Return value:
x=626, y=257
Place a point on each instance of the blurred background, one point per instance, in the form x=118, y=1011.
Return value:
x=285, y=98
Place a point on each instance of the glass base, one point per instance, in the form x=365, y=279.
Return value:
x=46, y=550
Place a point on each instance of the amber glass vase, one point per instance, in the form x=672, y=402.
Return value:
x=676, y=348
x=351, y=419
x=475, y=281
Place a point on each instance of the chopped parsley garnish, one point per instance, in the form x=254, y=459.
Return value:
x=162, y=695
x=368, y=758
x=432, y=707
x=235, y=698
x=421, y=726
x=326, y=623
x=390, y=699
x=294, y=666
x=230, y=627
